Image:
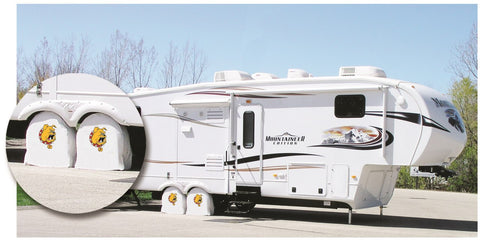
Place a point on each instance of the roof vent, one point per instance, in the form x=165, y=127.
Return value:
x=143, y=89
x=364, y=71
x=298, y=73
x=263, y=76
x=232, y=75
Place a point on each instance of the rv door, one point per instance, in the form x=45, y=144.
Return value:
x=249, y=159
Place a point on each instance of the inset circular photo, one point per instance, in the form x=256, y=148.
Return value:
x=75, y=143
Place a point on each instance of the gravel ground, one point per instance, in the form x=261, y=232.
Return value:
x=72, y=190
x=411, y=213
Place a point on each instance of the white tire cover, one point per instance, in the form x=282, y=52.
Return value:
x=102, y=144
x=49, y=142
x=173, y=201
x=199, y=202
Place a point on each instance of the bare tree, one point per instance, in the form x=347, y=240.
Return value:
x=71, y=57
x=198, y=64
x=42, y=63
x=183, y=66
x=35, y=69
x=143, y=65
x=22, y=81
x=169, y=66
x=114, y=62
x=466, y=62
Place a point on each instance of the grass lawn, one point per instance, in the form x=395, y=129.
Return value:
x=142, y=195
x=23, y=199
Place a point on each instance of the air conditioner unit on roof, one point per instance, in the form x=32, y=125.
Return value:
x=298, y=73
x=262, y=76
x=232, y=75
x=366, y=71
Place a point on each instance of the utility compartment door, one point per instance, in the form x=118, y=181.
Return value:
x=339, y=180
x=249, y=160
x=307, y=179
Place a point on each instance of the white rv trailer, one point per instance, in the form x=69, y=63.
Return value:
x=333, y=142
x=245, y=139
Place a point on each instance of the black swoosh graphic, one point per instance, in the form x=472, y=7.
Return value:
x=410, y=117
x=431, y=123
x=257, y=158
x=405, y=116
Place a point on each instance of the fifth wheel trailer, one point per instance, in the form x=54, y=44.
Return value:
x=334, y=142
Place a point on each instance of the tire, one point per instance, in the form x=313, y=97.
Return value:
x=173, y=201
x=199, y=202
x=102, y=144
x=50, y=142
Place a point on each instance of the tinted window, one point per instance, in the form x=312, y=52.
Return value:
x=248, y=129
x=348, y=106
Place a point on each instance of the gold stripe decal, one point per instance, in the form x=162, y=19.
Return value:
x=184, y=118
x=166, y=162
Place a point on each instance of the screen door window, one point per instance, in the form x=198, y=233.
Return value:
x=248, y=129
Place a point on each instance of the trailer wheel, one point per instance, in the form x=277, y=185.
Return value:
x=199, y=202
x=50, y=142
x=173, y=201
x=102, y=144
x=245, y=206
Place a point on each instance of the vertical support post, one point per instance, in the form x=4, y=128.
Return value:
x=232, y=125
x=384, y=116
x=232, y=144
x=381, y=210
x=349, y=215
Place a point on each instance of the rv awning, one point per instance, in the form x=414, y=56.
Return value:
x=224, y=101
x=336, y=88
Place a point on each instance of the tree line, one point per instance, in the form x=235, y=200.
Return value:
x=127, y=62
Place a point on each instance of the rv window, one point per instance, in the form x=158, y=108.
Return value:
x=248, y=129
x=349, y=106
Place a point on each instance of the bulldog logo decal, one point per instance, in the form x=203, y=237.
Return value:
x=98, y=138
x=172, y=198
x=47, y=135
x=198, y=199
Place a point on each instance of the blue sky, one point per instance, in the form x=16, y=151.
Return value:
x=410, y=42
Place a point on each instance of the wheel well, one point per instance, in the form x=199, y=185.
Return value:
x=18, y=128
x=86, y=115
x=196, y=185
x=157, y=195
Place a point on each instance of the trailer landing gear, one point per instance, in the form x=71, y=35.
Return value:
x=245, y=206
x=349, y=215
